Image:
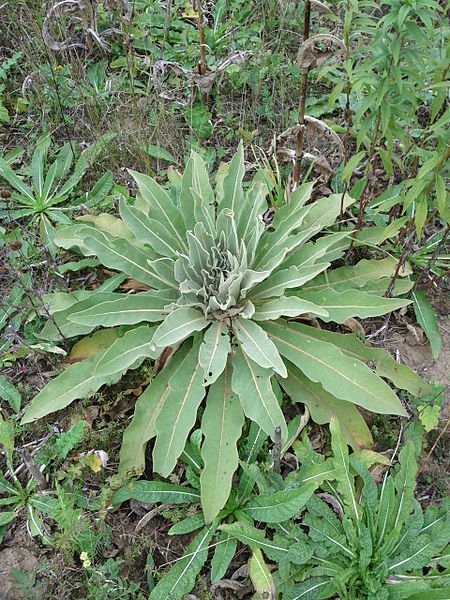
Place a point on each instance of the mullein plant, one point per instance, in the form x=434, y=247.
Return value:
x=226, y=304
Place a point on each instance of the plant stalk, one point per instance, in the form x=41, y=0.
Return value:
x=302, y=100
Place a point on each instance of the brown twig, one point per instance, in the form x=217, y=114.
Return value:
x=302, y=99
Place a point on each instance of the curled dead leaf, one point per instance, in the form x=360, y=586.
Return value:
x=315, y=51
x=354, y=326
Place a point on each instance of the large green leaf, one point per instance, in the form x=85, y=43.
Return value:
x=77, y=381
x=276, y=284
x=221, y=425
x=249, y=535
x=291, y=306
x=125, y=351
x=161, y=207
x=8, y=174
x=178, y=413
x=182, y=576
x=344, y=377
x=223, y=555
x=326, y=210
x=280, y=506
x=128, y=310
x=194, y=185
x=350, y=277
x=351, y=303
x=10, y=394
x=179, y=325
x=120, y=254
x=382, y=362
x=232, y=183
x=142, y=427
x=214, y=351
x=253, y=385
x=64, y=307
x=150, y=492
x=345, y=481
x=149, y=231
x=323, y=405
x=258, y=347
x=427, y=320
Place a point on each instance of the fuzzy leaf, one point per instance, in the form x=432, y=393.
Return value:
x=221, y=425
x=128, y=310
x=214, y=351
x=322, y=405
x=161, y=207
x=125, y=351
x=149, y=231
x=232, y=183
x=280, y=280
x=346, y=378
x=345, y=278
x=77, y=381
x=343, y=305
x=383, y=363
x=258, y=347
x=178, y=413
x=147, y=408
x=179, y=325
x=292, y=306
x=253, y=385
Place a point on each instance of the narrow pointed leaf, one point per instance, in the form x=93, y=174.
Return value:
x=260, y=575
x=161, y=207
x=150, y=492
x=179, y=325
x=323, y=405
x=258, y=346
x=280, y=506
x=8, y=174
x=249, y=535
x=287, y=306
x=221, y=425
x=345, y=480
x=344, y=377
x=124, y=352
x=147, y=408
x=343, y=305
x=427, y=320
x=214, y=351
x=178, y=412
x=223, y=555
x=123, y=311
x=182, y=576
x=252, y=383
